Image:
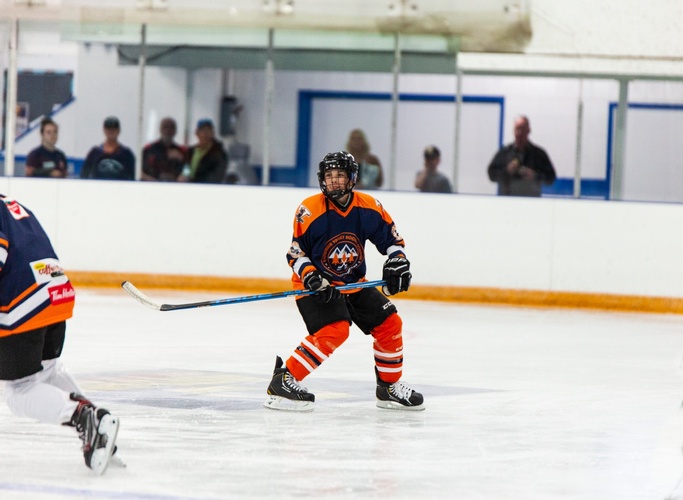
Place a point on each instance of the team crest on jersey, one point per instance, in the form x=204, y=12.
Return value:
x=301, y=213
x=342, y=254
x=394, y=232
x=15, y=209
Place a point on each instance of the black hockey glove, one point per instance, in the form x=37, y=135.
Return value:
x=316, y=282
x=397, y=275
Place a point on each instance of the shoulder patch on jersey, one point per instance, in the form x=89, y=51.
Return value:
x=15, y=209
x=394, y=232
x=295, y=250
x=302, y=212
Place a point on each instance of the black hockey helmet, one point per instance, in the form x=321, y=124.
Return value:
x=339, y=160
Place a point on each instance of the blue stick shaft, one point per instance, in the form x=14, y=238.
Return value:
x=266, y=296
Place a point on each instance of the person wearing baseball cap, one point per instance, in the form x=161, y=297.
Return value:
x=429, y=180
x=112, y=122
x=206, y=161
x=110, y=160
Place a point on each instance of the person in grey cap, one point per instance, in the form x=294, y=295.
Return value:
x=429, y=180
x=110, y=160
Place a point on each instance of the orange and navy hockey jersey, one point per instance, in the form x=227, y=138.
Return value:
x=332, y=239
x=34, y=291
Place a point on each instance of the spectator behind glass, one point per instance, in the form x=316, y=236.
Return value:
x=521, y=167
x=110, y=160
x=370, y=174
x=46, y=160
x=206, y=161
x=163, y=159
x=428, y=180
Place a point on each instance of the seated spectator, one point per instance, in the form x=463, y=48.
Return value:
x=47, y=160
x=163, y=160
x=206, y=161
x=521, y=167
x=369, y=167
x=110, y=160
x=429, y=180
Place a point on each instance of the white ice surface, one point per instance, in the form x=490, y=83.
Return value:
x=521, y=404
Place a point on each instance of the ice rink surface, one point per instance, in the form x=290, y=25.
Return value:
x=521, y=404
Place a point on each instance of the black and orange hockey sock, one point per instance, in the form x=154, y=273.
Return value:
x=388, y=349
x=316, y=348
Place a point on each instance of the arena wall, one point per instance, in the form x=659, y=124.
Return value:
x=546, y=251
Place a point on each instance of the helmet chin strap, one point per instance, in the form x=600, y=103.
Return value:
x=337, y=193
x=340, y=193
x=337, y=201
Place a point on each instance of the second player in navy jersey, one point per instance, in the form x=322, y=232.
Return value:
x=36, y=300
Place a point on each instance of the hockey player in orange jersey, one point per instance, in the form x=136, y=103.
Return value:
x=36, y=299
x=328, y=249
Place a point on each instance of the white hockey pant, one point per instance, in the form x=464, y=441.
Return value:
x=44, y=396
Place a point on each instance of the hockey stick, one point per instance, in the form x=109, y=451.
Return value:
x=143, y=299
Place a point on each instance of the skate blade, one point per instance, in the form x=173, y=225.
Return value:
x=109, y=427
x=115, y=461
x=284, y=404
x=392, y=405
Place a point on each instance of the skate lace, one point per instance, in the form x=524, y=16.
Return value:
x=85, y=427
x=294, y=383
x=401, y=390
x=80, y=429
